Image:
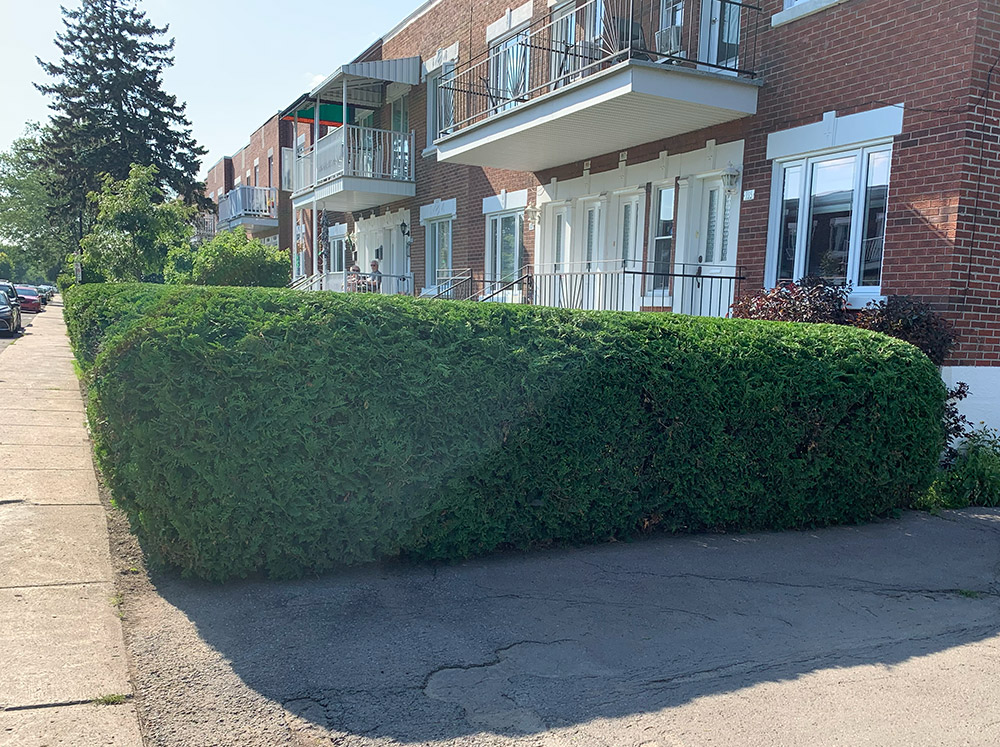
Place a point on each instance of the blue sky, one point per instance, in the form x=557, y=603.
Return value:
x=231, y=85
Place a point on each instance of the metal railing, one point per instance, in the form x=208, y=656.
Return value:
x=571, y=44
x=355, y=151
x=356, y=282
x=243, y=201
x=610, y=285
x=206, y=226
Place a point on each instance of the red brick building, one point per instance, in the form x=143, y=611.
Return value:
x=663, y=154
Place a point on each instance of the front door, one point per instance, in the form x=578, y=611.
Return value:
x=707, y=278
x=504, y=255
x=625, y=287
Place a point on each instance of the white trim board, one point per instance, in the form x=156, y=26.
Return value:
x=505, y=201
x=437, y=210
x=509, y=21
x=836, y=132
x=802, y=9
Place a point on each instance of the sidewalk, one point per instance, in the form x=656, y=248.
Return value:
x=60, y=637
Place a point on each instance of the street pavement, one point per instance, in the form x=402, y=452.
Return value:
x=61, y=641
x=885, y=634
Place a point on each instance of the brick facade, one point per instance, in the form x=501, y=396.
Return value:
x=935, y=60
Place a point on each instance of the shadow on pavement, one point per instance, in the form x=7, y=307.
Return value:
x=517, y=644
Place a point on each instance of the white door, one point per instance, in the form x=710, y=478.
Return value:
x=721, y=30
x=624, y=288
x=707, y=279
x=504, y=255
x=551, y=280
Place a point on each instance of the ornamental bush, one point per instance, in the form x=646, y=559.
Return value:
x=94, y=311
x=907, y=318
x=269, y=431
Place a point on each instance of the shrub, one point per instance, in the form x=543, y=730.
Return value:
x=231, y=258
x=251, y=430
x=94, y=311
x=811, y=300
x=973, y=479
x=907, y=318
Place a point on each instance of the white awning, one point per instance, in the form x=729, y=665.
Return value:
x=404, y=70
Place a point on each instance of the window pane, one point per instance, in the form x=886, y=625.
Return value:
x=664, y=240
x=727, y=208
x=443, y=247
x=508, y=246
x=627, y=231
x=830, y=214
x=665, y=220
x=874, y=227
x=560, y=228
x=789, y=225
x=710, y=229
x=591, y=234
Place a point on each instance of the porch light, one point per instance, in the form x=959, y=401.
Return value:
x=532, y=215
x=730, y=179
x=404, y=229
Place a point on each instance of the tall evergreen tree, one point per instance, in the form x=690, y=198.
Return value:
x=109, y=106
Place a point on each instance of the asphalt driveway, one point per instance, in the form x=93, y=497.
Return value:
x=881, y=634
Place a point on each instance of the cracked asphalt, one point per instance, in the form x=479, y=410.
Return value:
x=873, y=635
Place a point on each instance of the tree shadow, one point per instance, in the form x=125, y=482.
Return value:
x=516, y=644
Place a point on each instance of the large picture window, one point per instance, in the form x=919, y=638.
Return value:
x=828, y=219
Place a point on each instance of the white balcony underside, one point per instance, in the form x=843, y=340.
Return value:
x=350, y=193
x=258, y=227
x=630, y=104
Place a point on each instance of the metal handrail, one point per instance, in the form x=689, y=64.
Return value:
x=562, y=48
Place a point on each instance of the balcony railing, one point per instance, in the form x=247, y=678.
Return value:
x=352, y=151
x=572, y=44
x=249, y=202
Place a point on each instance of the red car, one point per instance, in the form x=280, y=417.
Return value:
x=29, y=298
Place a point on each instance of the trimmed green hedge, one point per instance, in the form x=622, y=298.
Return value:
x=96, y=311
x=254, y=430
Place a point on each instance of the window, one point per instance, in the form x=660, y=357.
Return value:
x=270, y=171
x=509, y=71
x=335, y=262
x=256, y=175
x=438, y=239
x=829, y=218
x=401, y=114
x=506, y=245
x=723, y=32
x=565, y=56
x=664, y=237
x=669, y=37
x=440, y=104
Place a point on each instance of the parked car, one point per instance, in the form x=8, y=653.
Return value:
x=29, y=298
x=10, y=316
x=7, y=287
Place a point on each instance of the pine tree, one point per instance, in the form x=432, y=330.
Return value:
x=109, y=107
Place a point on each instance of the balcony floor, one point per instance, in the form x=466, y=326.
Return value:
x=632, y=103
x=351, y=193
x=257, y=226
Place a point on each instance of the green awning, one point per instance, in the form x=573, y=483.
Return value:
x=329, y=114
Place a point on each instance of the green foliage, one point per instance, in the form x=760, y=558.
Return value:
x=231, y=258
x=96, y=311
x=135, y=230
x=257, y=430
x=109, y=107
x=973, y=479
x=35, y=238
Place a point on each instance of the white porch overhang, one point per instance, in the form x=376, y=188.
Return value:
x=356, y=79
x=351, y=193
x=627, y=105
x=257, y=226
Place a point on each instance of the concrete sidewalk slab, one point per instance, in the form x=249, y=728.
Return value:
x=60, y=644
x=45, y=419
x=43, y=543
x=71, y=726
x=49, y=457
x=44, y=402
x=70, y=435
x=49, y=486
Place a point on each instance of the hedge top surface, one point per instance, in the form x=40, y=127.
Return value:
x=249, y=430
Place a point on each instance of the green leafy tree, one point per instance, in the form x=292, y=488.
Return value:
x=110, y=109
x=135, y=230
x=36, y=234
x=231, y=258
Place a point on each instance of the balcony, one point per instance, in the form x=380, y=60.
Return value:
x=354, y=168
x=602, y=77
x=252, y=208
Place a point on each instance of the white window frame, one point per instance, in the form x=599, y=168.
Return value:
x=652, y=288
x=501, y=51
x=433, y=248
x=492, y=272
x=861, y=152
x=434, y=103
